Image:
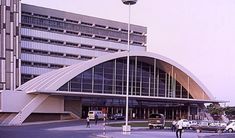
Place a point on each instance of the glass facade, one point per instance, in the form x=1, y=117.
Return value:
x=145, y=79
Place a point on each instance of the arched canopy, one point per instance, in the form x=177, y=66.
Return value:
x=52, y=81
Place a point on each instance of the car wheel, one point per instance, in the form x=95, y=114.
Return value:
x=219, y=131
x=198, y=130
x=150, y=127
x=230, y=130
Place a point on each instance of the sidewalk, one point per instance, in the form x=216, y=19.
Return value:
x=99, y=126
x=137, y=132
x=162, y=134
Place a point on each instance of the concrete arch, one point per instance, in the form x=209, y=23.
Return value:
x=53, y=80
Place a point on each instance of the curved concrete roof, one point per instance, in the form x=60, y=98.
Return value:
x=55, y=79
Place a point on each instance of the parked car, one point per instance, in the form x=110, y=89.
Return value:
x=231, y=127
x=192, y=122
x=117, y=116
x=92, y=114
x=186, y=124
x=231, y=121
x=208, y=126
x=156, y=121
x=219, y=123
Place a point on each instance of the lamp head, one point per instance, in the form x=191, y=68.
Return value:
x=129, y=2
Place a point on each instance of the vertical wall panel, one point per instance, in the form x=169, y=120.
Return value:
x=9, y=44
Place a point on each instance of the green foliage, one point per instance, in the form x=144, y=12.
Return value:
x=215, y=109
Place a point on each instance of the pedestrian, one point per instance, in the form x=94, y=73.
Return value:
x=179, y=127
x=88, y=122
x=173, y=127
x=133, y=115
x=96, y=118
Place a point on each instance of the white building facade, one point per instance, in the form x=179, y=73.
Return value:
x=69, y=64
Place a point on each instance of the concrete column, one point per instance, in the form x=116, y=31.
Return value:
x=9, y=44
x=189, y=112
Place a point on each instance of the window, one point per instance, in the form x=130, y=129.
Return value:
x=113, y=39
x=40, y=39
x=72, y=32
x=71, y=44
x=71, y=21
x=135, y=32
x=55, y=66
x=85, y=23
x=124, y=30
x=40, y=15
x=56, y=54
x=137, y=43
x=85, y=58
x=57, y=42
x=40, y=52
x=25, y=25
x=25, y=50
x=86, y=35
x=113, y=28
x=26, y=13
x=26, y=38
x=26, y=63
x=86, y=46
x=100, y=26
x=124, y=41
x=99, y=37
x=112, y=50
x=100, y=48
x=40, y=64
x=40, y=27
x=56, y=30
x=71, y=56
x=57, y=18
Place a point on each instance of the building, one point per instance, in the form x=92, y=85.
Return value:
x=52, y=39
x=80, y=64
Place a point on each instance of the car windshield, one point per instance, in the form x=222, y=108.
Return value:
x=155, y=116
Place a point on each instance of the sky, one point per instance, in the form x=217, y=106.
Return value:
x=198, y=34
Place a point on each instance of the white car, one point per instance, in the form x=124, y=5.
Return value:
x=231, y=127
x=186, y=124
x=192, y=122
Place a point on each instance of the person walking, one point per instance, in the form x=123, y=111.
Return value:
x=173, y=127
x=88, y=122
x=179, y=127
x=96, y=119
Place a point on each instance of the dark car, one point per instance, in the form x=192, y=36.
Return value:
x=117, y=116
x=156, y=121
x=208, y=126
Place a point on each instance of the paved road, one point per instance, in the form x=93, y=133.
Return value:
x=77, y=129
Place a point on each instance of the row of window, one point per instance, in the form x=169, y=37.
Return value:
x=81, y=34
x=42, y=65
x=80, y=22
x=55, y=54
x=75, y=29
x=58, y=42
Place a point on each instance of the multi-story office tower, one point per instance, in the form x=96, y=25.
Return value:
x=9, y=44
x=53, y=39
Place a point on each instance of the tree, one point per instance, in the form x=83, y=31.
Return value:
x=215, y=109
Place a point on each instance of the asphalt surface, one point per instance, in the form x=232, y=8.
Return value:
x=77, y=129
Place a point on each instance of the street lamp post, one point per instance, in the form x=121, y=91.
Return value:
x=126, y=127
